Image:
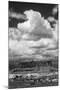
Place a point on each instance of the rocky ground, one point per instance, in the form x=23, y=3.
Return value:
x=44, y=75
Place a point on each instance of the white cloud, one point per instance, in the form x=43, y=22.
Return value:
x=29, y=47
x=35, y=35
x=35, y=25
x=21, y=47
x=51, y=19
x=24, y=27
x=14, y=34
x=17, y=15
x=55, y=10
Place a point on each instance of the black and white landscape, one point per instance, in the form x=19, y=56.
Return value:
x=33, y=44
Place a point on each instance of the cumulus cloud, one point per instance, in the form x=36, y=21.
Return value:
x=35, y=25
x=34, y=36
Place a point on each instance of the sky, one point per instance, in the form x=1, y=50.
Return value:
x=33, y=30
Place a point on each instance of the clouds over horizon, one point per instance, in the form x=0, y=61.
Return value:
x=33, y=36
